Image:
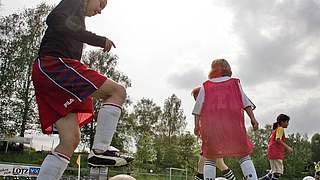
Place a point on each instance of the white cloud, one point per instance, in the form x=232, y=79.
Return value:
x=279, y=59
x=186, y=79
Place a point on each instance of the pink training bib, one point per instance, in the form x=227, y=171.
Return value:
x=222, y=126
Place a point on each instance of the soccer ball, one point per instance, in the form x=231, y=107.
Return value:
x=122, y=177
x=308, y=178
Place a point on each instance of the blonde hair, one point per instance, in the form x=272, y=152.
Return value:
x=224, y=67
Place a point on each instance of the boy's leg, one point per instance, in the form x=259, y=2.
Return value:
x=113, y=96
x=276, y=168
x=221, y=165
x=268, y=176
x=247, y=167
x=275, y=176
x=226, y=172
x=209, y=170
x=56, y=162
x=199, y=175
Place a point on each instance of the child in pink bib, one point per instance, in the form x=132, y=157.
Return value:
x=219, y=109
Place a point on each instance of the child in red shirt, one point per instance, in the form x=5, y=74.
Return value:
x=219, y=111
x=226, y=172
x=277, y=147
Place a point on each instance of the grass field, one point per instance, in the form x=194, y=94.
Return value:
x=36, y=158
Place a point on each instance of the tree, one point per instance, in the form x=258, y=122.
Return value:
x=146, y=115
x=315, y=147
x=296, y=162
x=260, y=139
x=169, y=129
x=106, y=64
x=20, y=36
x=145, y=156
x=173, y=120
x=188, y=149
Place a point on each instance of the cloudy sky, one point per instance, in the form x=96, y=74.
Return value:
x=166, y=47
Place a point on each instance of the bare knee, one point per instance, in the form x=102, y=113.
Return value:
x=75, y=142
x=69, y=144
x=122, y=93
x=118, y=96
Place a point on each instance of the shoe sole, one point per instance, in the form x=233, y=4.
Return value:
x=98, y=161
x=103, y=166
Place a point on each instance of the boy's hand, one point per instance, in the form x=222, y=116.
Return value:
x=255, y=124
x=290, y=150
x=109, y=44
x=196, y=130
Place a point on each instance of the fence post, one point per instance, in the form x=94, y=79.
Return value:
x=99, y=173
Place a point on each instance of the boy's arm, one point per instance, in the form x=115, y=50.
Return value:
x=254, y=122
x=279, y=135
x=65, y=20
x=248, y=107
x=196, y=125
x=288, y=148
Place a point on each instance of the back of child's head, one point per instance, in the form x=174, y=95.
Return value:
x=219, y=68
x=195, y=92
x=280, y=118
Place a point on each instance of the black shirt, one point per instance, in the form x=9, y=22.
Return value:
x=66, y=31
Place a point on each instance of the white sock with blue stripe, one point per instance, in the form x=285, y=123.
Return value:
x=247, y=167
x=209, y=170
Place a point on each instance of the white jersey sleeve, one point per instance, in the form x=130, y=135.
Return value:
x=200, y=100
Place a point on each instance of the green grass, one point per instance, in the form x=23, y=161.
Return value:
x=31, y=157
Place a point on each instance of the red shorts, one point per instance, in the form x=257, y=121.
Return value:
x=63, y=86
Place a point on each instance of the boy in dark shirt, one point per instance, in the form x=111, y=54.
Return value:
x=64, y=88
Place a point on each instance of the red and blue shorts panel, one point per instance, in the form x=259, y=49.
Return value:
x=63, y=86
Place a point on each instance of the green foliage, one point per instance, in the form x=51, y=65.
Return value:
x=260, y=140
x=188, y=149
x=172, y=120
x=160, y=142
x=296, y=162
x=20, y=36
x=147, y=115
x=315, y=147
x=28, y=157
x=145, y=156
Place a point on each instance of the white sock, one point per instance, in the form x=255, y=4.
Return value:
x=108, y=118
x=247, y=167
x=53, y=166
x=209, y=170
